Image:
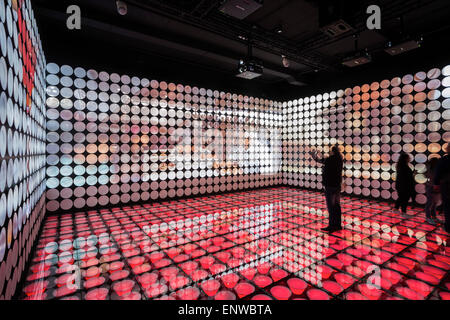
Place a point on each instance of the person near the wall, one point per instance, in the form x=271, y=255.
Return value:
x=404, y=183
x=332, y=181
x=442, y=183
x=432, y=195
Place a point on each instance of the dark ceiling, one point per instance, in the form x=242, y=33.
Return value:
x=192, y=42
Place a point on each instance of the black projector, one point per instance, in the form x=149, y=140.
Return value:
x=249, y=69
x=240, y=9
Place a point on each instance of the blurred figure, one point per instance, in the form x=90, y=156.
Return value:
x=433, y=197
x=442, y=183
x=332, y=181
x=404, y=183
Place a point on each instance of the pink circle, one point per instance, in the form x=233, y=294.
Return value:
x=213, y=249
x=92, y=272
x=199, y=274
x=172, y=252
x=392, y=276
x=169, y=273
x=97, y=294
x=178, y=282
x=223, y=256
x=230, y=280
x=355, y=296
x=147, y=279
x=206, y=262
x=36, y=288
x=155, y=256
x=297, y=286
x=325, y=271
x=136, y=261
x=419, y=286
x=427, y=277
x=238, y=252
x=262, y=281
x=190, y=293
x=155, y=290
x=248, y=273
x=316, y=294
x=225, y=295
x=217, y=268
x=335, y=263
x=189, y=266
x=370, y=291
x=244, y=289
x=281, y=293
x=119, y=275
x=444, y=295
x=116, y=265
x=123, y=287
x=180, y=258
x=278, y=274
x=333, y=287
x=263, y=268
x=218, y=241
x=211, y=287
x=94, y=282
x=131, y=296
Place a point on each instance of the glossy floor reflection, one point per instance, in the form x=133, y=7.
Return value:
x=263, y=244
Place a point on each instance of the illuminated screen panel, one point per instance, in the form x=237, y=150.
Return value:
x=373, y=123
x=115, y=139
x=22, y=140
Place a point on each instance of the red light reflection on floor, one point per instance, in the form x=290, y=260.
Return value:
x=262, y=244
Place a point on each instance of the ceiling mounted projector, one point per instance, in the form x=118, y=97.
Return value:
x=357, y=60
x=249, y=69
x=405, y=46
x=240, y=9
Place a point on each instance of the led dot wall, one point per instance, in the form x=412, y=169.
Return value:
x=373, y=123
x=22, y=139
x=115, y=139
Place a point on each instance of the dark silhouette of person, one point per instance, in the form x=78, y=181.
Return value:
x=404, y=183
x=432, y=195
x=442, y=182
x=332, y=182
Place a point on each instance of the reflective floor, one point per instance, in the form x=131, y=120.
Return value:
x=263, y=244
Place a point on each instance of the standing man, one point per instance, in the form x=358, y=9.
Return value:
x=442, y=182
x=332, y=181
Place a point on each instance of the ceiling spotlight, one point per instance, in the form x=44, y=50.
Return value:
x=286, y=62
x=122, y=7
x=279, y=29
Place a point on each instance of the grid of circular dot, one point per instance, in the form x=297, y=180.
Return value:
x=373, y=123
x=22, y=140
x=119, y=139
x=260, y=242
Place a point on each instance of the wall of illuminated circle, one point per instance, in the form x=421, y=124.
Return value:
x=115, y=139
x=22, y=139
x=373, y=123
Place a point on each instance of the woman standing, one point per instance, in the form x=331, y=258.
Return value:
x=432, y=196
x=404, y=183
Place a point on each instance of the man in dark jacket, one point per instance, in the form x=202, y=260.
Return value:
x=442, y=182
x=332, y=181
